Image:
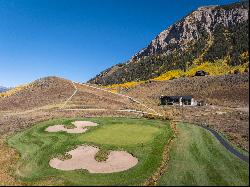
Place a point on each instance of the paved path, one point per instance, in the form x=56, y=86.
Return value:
x=226, y=144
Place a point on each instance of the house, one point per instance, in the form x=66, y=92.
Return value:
x=201, y=73
x=178, y=100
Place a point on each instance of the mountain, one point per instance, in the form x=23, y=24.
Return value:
x=205, y=35
x=3, y=89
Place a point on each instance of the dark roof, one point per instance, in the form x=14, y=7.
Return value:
x=178, y=97
x=201, y=72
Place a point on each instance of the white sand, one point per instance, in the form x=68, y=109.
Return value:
x=79, y=127
x=83, y=157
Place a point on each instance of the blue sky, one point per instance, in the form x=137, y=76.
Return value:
x=77, y=39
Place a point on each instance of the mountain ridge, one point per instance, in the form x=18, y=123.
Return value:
x=3, y=89
x=206, y=34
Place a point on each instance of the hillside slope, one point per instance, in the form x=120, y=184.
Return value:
x=45, y=91
x=226, y=96
x=225, y=90
x=89, y=97
x=53, y=92
x=207, y=34
x=46, y=98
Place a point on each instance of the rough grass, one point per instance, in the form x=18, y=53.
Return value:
x=102, y=155
x=197, y=158
x=37, y=147
x=8, y=158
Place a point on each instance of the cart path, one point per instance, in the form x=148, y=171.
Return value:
x=229, y=147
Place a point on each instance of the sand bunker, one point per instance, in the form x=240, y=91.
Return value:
x=79, y=127
x=83, y=157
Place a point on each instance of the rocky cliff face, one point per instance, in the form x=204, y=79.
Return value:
x=188, y=29
x=197, y=33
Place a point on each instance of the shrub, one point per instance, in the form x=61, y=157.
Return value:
x=170, y=75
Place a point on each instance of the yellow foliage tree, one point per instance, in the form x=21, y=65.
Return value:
x=219, y=67
x=13, y=91
x=170, y=75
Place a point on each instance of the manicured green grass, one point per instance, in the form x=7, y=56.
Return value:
x=124, y=134
x=37, y=147
x=197, y=158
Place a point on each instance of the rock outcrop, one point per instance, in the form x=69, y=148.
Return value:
x=208, y=33
x=188, y=29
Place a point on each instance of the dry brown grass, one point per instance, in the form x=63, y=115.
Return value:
x=227, y=96
x=92, y=98
x=226, y=90
x=8, y=158
x=152, y=181
x=46, y=91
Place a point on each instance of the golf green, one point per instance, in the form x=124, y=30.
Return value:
x=121, y=134
x=143, y=138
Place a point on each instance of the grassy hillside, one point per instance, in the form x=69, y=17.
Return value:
x=45, y=91
x=13, y=91
x=92, y=98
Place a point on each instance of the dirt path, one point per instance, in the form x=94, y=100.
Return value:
x=104, y=109
x=76, y=90
x=132, y=99
x=83, y=157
